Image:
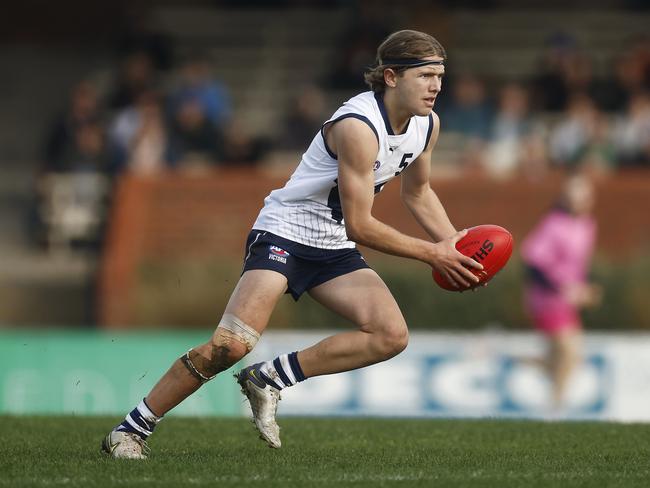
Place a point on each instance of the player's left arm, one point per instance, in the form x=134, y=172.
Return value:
x=419, y=197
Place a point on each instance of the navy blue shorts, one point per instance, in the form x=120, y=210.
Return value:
x=304, y=266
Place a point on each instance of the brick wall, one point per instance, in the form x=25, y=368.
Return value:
x=181, y=218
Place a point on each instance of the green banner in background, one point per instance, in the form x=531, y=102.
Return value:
x=88, y=373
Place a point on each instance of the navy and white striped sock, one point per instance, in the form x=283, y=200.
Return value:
x=283, y=371
x=141, y=421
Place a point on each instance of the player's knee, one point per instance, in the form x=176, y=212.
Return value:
x=225, y=349
x=213, y=357
x=209, y=359
x=206, y=361
x=392, y=341
x=231, y=341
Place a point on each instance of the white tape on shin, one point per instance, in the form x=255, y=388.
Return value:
x=239, y=331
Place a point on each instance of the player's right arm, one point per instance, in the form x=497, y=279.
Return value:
x=356, y=147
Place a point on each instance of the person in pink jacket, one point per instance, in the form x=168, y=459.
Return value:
x=557, y=254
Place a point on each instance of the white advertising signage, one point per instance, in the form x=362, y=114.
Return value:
x=475, y=375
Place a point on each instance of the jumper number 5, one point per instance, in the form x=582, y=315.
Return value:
x=403, y=163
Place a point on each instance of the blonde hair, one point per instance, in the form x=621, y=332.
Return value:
x=404, y=44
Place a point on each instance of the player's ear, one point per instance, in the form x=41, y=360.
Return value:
x=390, y=77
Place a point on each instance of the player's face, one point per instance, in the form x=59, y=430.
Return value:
x=419, y=87
x=579, y=196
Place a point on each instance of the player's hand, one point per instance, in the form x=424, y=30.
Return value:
x=594, y=295
x=583, y=294
x=476, y=288
x=454, y=266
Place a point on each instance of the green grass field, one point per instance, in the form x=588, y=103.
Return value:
x=53, y=451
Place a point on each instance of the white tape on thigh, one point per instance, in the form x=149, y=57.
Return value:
x=242, y=332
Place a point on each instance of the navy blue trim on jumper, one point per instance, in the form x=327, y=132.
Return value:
x=346, y=116
x=426, y=141
x=384, y=115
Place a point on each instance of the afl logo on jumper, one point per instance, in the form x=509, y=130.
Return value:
x=278, y=254
x=376, y=166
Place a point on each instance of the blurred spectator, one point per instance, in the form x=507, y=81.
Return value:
x=467, y=118
x=557, y=254
x=72, y=196
x=574, y=131
x=632, y=132
x=627, y=78
x=194, y=139
x=469, y=112
x=534, y=163
x=63, y=137
x=88, y=153
x=72, y=210
x=136, y=76
x=511, y=126
x=578, y=73
x=138, y=34
x=550, y=90
x=200, y=113
x=368, y=28
x=640, y=48
x=564, y=70
x=240, y=147
x=196, y=86
x=599, y=154
x=630, y=76
x=138, y=136
x=304, y=118
x=149, y=147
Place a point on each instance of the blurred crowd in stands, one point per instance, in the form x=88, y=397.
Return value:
x=160, y=114
x=565, y=116
x=139, y=127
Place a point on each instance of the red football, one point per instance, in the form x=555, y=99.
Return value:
x=490, y=245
